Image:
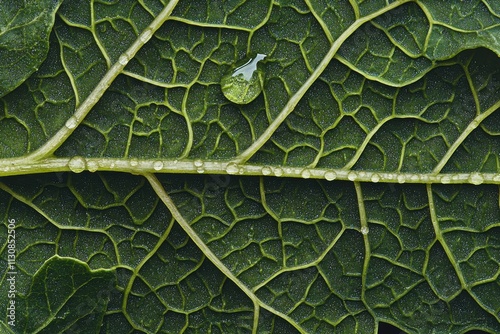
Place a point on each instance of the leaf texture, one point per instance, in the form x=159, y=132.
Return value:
x=360, y=188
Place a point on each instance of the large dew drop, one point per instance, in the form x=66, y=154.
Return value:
x=77, y=164
x=244, y=83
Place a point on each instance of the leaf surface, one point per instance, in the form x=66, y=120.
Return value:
x=24, y=36
x=361, y=187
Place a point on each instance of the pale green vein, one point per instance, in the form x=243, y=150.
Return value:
x=96, y=38
x=53, y=143
x=10, y=167
x=467, y=131
x=261, y=24
x=439, y=236
x=294, y=100
x=321, y=22
x=165, y=198
x=135, y=273
x=209, y=25
x=154, y=82
x=71, y=78
x=61, y=227
x=275, y=217
x=364, y=231
x=355, y=7
x=361, y=208
x=53, y=317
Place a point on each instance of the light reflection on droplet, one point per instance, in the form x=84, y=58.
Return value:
x=158, y=165
x=77, y=164
x=330, y=176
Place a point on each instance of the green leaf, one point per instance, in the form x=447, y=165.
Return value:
x=25, y=27
x=65, y=296
x=361, y=188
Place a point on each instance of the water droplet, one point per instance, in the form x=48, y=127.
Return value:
x=266, y=171
x=200, y=170
x=146, y=35
x=241, y=171
x=134, y=162
x=375, y=178
x=232, y=168
x=401, y=179
x=445, y=179
x=352, y=176
x=476, y=179
x=198, y=163
x=123, y=60
x=474, y=124
x=305, y=174
x=497, y=178
x=157, y=165
x=330, y=176
x=278, y=171
x=415, y=177
x=92, y=166
x=72, y=122
x=365, y=230
x=77, y=164
x=244, y=83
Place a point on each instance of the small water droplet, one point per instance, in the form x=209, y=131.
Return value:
x=445, y=179
x=497, y=178
x=278, y=171
x=158, y=165
x=330, y=176
x=476, y=179
x=77, y=164
x=352, y=176
x=365, y=230
x=146, y=35
x=198, y=163
x=415, y=177
x=241, y=171
x=232, y=168
x=401, y=179
x=200, y=170
x=134, y=162
x=305, y=174
x=266, y=171
x=123, y=60
x=244, y=83
x=375, y=178
x=72, y=122
x=92, y=166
